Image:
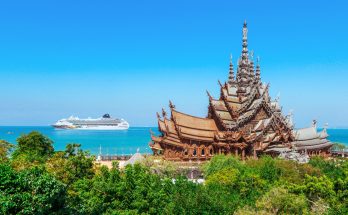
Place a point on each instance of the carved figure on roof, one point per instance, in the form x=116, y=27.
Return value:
x=171, y=106
x=164, y=113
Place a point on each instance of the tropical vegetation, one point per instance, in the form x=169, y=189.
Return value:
x=35, y=179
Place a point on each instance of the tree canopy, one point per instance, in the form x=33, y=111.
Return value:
x=5, y=149
x=32, y=149
x=38, y=180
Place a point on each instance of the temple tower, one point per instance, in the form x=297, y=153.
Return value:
x=243, y=121
x=243, y=67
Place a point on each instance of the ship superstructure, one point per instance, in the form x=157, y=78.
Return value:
x=106, y=122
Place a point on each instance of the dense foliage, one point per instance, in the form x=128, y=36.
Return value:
x=31, y=191
x=5, y=149
x=37, y=180
x=32, y=149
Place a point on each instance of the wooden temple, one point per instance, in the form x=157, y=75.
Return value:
x=243, y=120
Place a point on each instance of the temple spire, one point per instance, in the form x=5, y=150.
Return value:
x=245, y=41
x=243, y=75
x=231, y=72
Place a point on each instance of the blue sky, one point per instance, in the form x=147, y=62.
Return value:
x=128, y=58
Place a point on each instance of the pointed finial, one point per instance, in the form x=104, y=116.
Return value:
x=231, y=58
x=245, y=23
x=171, y=106
x=258, y=60
x=314, y=123
x=219, y=83
x=245, y=33
x=164, y=113
x=209, y=95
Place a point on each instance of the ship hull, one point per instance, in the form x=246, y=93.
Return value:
x=103, y=128
x=91, y=127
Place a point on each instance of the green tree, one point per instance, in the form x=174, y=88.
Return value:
x=318, y=191
x=240, y=183
x=71, y=165
x=31, y=191
x=32, y=149
x=293, y=172
x=268, y=169
x=5, y=149
x=227, y=177
x=220, y=162
x=331, y=168
x=133, y=191
x=280, y=201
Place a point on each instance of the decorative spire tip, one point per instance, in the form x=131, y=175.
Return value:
x=219, y=83
x=314, y=123
x=208, y=94
x=171, y=106
x=164, y=113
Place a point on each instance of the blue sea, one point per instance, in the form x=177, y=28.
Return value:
x=122, y=142
x=111, y=142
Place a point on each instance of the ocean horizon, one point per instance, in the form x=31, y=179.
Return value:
x=120, y=142
x=110, y=142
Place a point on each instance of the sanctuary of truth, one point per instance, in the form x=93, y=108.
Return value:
x=244, y=121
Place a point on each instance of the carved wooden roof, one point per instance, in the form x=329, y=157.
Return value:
x=189, y=121
x=243, y=112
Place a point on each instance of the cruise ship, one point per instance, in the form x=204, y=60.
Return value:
x=103, y=123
